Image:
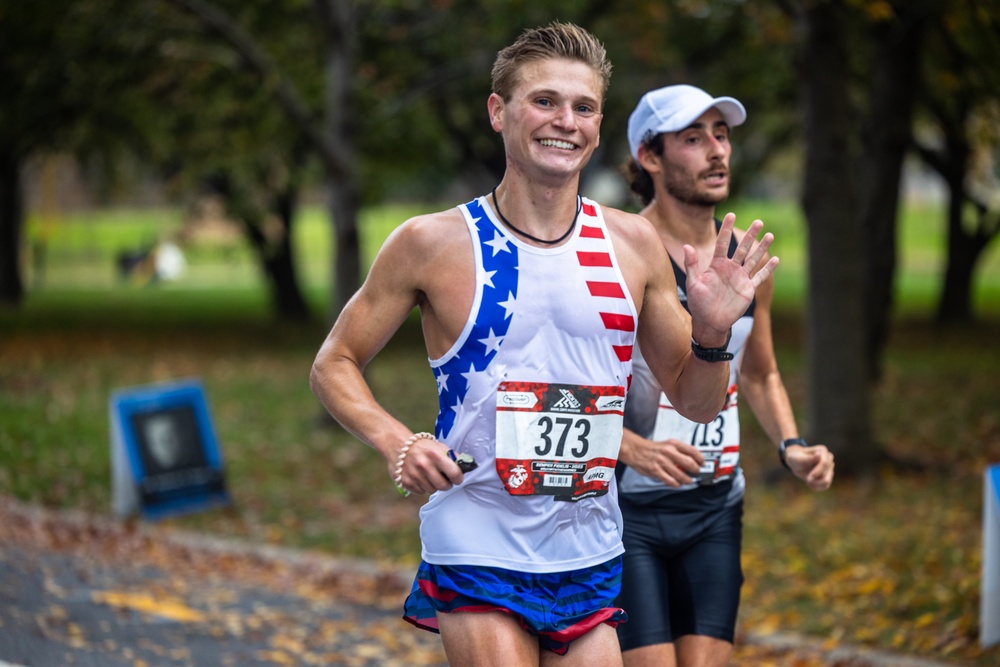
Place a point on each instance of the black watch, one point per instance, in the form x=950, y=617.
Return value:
x=786, y=443
x=713, y=353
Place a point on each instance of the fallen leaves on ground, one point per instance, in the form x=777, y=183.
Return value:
x=195, y=586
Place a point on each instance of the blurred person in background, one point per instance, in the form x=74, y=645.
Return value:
x=680, y=482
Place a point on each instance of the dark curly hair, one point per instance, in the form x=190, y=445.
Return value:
x=639, y=180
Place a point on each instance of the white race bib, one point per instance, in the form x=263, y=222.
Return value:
x=558, y=439
x=718, y=441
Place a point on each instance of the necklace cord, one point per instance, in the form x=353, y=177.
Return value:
x=572, y=225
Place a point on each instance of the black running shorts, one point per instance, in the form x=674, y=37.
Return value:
x=682, y=572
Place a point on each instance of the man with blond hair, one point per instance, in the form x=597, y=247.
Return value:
x=531, y=299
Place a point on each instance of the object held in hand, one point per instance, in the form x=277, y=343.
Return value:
x=398, y=478
x=465, y=461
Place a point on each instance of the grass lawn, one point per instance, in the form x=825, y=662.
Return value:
x=892, y=563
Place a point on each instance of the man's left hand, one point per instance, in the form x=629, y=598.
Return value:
x=721, y=293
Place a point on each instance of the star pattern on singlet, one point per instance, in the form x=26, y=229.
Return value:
x=499, y=294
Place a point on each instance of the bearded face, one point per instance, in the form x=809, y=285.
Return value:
x=695, y=161
x=705, y=188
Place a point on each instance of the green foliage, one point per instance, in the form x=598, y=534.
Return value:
x=156, y=80
x=69, y=77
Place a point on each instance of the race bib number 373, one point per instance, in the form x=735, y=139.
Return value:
x=560, y=440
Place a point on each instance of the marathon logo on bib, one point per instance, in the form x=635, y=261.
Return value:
x=558, y=439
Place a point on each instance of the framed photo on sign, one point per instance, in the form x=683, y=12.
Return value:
x=164, y=454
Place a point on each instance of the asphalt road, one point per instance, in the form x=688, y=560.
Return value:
x=86, y=591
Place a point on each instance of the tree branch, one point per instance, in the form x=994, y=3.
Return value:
x=255, y=57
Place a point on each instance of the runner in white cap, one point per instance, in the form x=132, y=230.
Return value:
x=680, y=480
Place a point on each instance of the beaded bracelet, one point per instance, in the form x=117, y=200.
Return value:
x=402, y=458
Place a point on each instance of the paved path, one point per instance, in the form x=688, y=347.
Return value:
x=118, y=614
x=85, y=591
x=81, y=591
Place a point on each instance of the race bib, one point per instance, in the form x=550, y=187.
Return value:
x=718, y=441
x=558, y=440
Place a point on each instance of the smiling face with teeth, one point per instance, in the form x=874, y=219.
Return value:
x=551, y=123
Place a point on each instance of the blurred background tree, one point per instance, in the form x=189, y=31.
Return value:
x=958, y=135
x=70, y=80
x=221, y=131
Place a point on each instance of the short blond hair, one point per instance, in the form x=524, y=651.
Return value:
x=556, y=40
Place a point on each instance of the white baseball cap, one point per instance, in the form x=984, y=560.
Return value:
x=673, y=108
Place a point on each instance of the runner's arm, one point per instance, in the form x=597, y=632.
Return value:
x=696, y=388
x=765, y=393
x=390, y=292
x=670, y=461
x=760, y=381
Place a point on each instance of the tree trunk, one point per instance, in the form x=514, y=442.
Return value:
x=334, y=142
x=11, y=224
x=955, y=301
x=274, y=256
x=346, y=273
x=888, y=136
x=965, y=243
x=343, y=186
x=965, y=247
x=344, y=191
x=279, y=263
x=837, y=374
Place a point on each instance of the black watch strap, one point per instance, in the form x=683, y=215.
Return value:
x=788, y=442
x=713, y=353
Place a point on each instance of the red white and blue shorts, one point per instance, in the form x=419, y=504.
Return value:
x=557, y=607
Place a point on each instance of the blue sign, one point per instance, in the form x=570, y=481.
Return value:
x=994, y=473
x=989, y=598
x=165, y=455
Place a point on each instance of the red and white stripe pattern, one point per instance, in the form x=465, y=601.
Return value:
x=605, y=283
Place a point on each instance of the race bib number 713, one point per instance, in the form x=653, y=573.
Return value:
x=558, y=439
x=718, y=440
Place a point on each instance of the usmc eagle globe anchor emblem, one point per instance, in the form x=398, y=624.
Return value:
x=518, y=475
